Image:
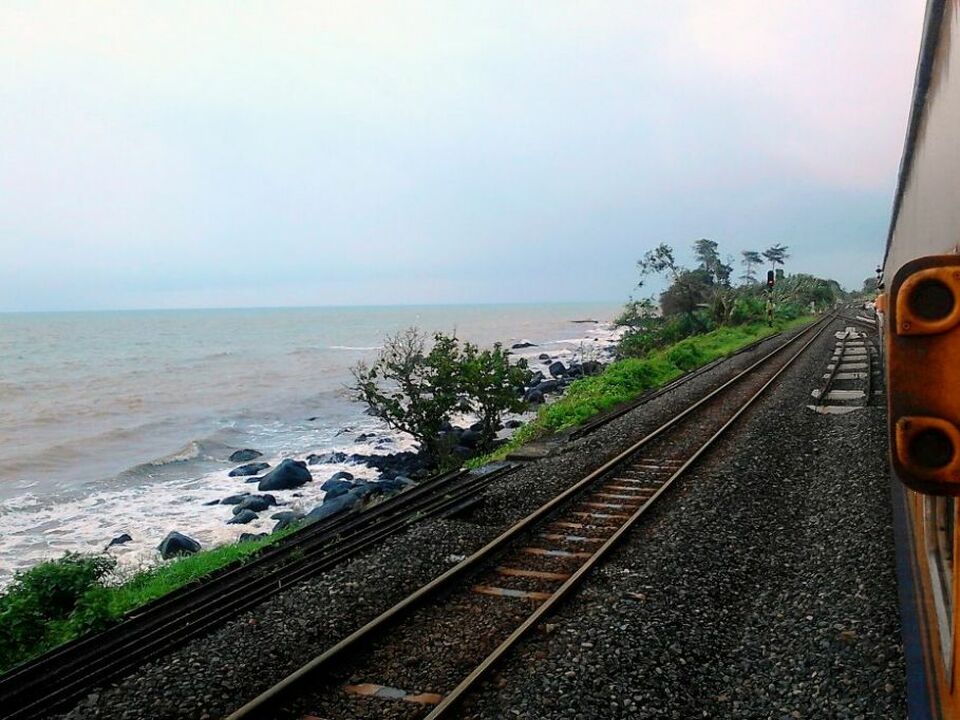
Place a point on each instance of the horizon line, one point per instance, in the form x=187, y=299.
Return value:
x=309, y=307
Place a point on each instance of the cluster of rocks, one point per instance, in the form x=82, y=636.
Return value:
x=558, y=377
x=343, y=492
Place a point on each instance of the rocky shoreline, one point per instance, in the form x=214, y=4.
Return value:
x=387, y=470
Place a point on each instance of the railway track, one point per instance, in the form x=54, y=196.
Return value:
x=52, y=681
x=421, y=657
x=848, y=383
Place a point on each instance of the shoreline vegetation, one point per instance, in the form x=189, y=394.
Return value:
x=60, y=600
x=416, y=386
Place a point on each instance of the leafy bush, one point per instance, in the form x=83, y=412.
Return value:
x=41, y=600
x=415, y=390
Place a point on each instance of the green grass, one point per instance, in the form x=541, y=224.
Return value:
x=626, y=380
x=92, y=600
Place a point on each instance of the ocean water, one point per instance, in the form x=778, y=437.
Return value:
x=116, y=422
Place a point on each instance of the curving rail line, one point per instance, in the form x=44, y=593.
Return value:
x=578, y=527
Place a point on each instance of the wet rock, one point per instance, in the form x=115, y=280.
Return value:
x=249, y=469
x=288, y=475
x=245, y=455
x=256, y=503
x=332, y=507
x=327, y=458
x=548, y=386
x=119, y=540
x=242, y=517
x=557, y=369
x=543, y=356
x=363, y=437
x=247, y=537
x=523, y=344
x=211, y=502
x=287, y=515
x=234, y=499
x=513, y=424
x=334, y=487
x=592, y=367
x=175, y=544
x=534, y=396
x=342, y=475
x=470, y=439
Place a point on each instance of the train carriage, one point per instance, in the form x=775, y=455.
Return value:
x=920, y=321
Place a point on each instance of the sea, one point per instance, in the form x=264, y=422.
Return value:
x=123, y=422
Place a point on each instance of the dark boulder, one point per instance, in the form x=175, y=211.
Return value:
x=534, y=396
x=462, y=452
x=234, y=499
x=342, y=475
x=119, y=540
x=332, y=507
x=257, y=503
x=247, y=537
x=327, y=458
x=513, y=424
x=390, y=487
x=574, y=370
x=557, y=368
x=212, y=502
x=287, y=475
x=543, y=356
x=363, y=437
x=592, y=367
x=249, y=469
x=470, y=439
x=522, y=345
x=548, y=386
x=286, y=519
x=336, y=487
x=177, y=544
x=535, y=378
x=242, y=517
x=245, y=455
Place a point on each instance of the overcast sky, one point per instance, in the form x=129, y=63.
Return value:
x=168, y=154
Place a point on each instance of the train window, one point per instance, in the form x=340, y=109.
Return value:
x=939, y=514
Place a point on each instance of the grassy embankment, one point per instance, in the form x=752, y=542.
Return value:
x=625, y=380
x=60, y=600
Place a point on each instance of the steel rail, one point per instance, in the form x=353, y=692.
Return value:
x=43, y=693
x=260, y=705
x=457, y=694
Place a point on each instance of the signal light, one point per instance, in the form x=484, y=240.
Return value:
x=770, y=278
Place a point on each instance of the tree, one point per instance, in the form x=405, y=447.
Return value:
x=413, y=390
x=493, y=385
x=776, y=255
x=659, y=261
x=708, y=255
x=751, y=258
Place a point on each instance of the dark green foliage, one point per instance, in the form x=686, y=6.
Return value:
x=492, y=385
x=44, y=602
x=411, y=389
x=415, y=390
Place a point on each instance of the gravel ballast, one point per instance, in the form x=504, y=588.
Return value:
x=213, y=675
x=762, y=587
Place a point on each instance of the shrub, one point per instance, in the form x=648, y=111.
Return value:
x=39, y=603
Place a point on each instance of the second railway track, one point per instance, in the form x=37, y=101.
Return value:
x=422, y=657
